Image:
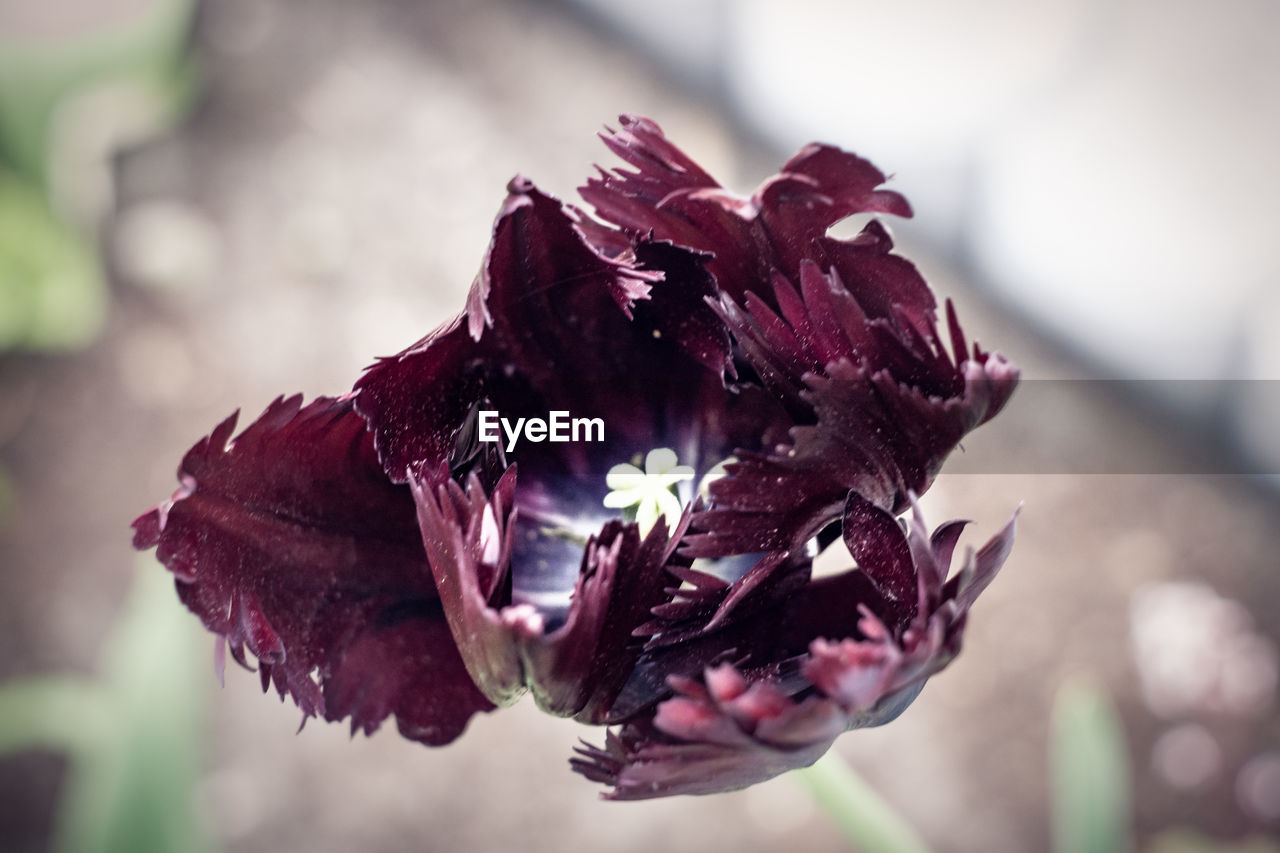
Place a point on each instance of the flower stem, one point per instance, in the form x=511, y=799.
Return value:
x=864, y=817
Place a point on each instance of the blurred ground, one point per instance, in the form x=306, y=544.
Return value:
x=331, y=201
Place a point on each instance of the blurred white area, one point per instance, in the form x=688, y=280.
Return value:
x=1197, y=652
x=1105, y=168
x=1186, y=756
x=1258, y=786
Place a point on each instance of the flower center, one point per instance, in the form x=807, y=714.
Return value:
x=650, y=494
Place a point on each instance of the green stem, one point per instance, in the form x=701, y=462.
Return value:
x=864, y=817
x=64, y=713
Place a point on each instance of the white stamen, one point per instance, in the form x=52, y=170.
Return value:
x=649, y=491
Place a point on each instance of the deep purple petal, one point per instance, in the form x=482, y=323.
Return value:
x=890, y=656
x=668, y=196
x=861, y=316
x=858, y=674
x=886, y=285
x=703, y=604
x=416, y=402
x=769, y=627
x=781, y=615
x=784, y=222
x=544, y=298
x=290, y=542
x=661, y=168
x=848, y=180
x=409, y=666
x=467, y=538
x=579, y=668
x=944, y=539
x=778, y=710
x=706, y=741
x=377, y=557
x=816, y=189
x=874, y=435
x=556, y=321
x=876, y=542
x=598, y=655
x=980, y=569
x=547, y=293
x=677, y=307
x=575, y=668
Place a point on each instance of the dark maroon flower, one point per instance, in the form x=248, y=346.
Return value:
x=762, y=390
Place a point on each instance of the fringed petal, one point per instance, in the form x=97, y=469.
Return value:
x=575, y=668
x=289, y=542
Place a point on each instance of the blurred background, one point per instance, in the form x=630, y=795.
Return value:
x=203, y=205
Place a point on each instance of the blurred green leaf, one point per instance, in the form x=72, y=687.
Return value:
x=37, y=76
x=62, y=713
x=134, y=736
x=132, y=792
x=52, y=295
x=1090, y=768
x=67, y=104
x=866, y=819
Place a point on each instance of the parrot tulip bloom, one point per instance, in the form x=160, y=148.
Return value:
x=765, y=390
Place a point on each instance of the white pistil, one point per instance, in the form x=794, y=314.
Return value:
x=650, y=491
